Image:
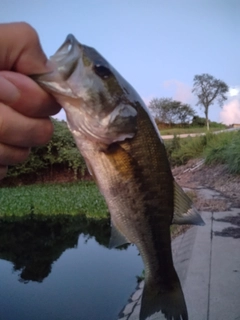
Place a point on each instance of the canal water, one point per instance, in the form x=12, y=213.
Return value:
x=60, y=268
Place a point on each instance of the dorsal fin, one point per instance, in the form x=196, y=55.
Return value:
x=117, y=238
x=184, y=211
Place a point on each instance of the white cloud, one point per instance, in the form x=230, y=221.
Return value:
x=230, y=112
x=234, y=91
x=181, y=91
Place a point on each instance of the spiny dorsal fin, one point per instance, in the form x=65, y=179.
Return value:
x=117, y=238
x=184, y=211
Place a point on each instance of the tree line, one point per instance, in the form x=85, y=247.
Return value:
x=208, y=91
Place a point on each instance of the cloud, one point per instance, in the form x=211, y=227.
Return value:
x=180, y=91
x=230, y=112
x=234, y=91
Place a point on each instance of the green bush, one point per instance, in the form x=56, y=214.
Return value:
x=216, y=150
x=233, y=154
x=61, y=149
x=189, y=148
x=172, y=145
x=198, y=121
x=225, y=148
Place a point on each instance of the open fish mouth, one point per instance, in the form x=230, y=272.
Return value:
x=64, y=62
x=66, y=57
x=67, y=51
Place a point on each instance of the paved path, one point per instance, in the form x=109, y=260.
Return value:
x=185, y=135
x=207, y=260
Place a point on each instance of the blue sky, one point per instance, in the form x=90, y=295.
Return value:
x=157, y=45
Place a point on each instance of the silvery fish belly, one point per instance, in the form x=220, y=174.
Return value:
x=127, y=158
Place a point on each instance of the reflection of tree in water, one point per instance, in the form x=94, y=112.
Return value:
x=33, y=243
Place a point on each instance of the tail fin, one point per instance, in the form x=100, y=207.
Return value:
x=169, y=305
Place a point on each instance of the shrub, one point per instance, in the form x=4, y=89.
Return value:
x=217, y=149
x=189, y=148
x=61, y=149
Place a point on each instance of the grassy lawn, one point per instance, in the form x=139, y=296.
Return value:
x=53, y=199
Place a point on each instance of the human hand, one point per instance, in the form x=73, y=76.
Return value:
x=24, y=107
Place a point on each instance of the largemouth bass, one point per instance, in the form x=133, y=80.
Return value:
x=126, y=156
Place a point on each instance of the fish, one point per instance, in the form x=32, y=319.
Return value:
x=126, y=156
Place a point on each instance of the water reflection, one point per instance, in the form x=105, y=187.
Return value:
x=68, y=270
x=32, y=244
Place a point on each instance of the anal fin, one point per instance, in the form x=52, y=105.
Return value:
x=184, y=210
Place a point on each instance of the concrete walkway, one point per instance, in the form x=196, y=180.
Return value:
x=185, y=135
x=207, y=260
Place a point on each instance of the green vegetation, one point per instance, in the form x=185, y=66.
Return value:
x=170, y=111
x=181, y=150
x=225, y=148
x=61, y=150
x=215, y=148
x=69, y=198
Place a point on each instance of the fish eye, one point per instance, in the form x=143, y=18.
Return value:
x=101, y=71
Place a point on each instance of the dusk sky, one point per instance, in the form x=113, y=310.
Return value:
x=157, y=45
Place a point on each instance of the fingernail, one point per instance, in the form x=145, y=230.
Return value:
x=9, y=93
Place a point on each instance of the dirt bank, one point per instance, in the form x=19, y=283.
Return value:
x=196, y=176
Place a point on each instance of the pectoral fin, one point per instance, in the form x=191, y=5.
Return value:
x=117, y=238
x=184, y=211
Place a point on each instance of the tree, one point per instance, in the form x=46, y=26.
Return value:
x=171, y=111
x=209, y=89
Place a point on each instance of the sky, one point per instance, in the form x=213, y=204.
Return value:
x=157, y=45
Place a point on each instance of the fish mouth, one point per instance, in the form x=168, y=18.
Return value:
x=66, y=57
x=63, y=62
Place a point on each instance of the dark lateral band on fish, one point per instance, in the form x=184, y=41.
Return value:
x=126, y=156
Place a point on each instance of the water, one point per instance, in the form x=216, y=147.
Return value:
x=60, y=269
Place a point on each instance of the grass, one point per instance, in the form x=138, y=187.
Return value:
x=53, y=199
x=215, y=148
x=225, y=148
x=180, y=151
